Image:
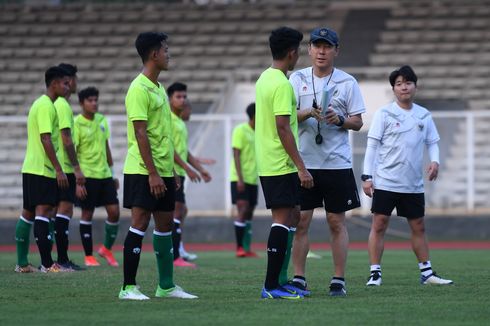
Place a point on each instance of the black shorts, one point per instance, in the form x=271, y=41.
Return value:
x=407, y=205
x=100, y=192
x=179, y=193
x=250, y=194
x=137, y=194
x=281, y=190
x=68, y=194
x=38, y=190
x=334, y=189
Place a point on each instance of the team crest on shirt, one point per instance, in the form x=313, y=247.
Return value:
x=421, y=126
x=305, y=88
x=102, y=128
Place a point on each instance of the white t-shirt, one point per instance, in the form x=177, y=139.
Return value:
x=335, y=151
x=402, y=135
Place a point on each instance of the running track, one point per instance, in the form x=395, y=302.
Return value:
x=466, y=245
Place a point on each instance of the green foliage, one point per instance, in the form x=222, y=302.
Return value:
x=229, y=290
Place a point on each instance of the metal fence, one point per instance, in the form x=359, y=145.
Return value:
x=463, y=186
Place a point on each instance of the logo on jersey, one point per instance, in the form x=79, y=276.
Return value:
x=102, y=128
x=421, y=126
x=136, y=250
x=305, y=88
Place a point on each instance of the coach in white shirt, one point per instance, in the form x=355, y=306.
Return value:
x=393, y=172
x=329, y=104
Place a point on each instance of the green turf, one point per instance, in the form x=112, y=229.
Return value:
x=229, y=290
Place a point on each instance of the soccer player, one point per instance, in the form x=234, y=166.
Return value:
x=243, y=177
x=325, y=149
x=149, y=183
x=393, y=172
x=185, y=165
x=278, y=161
x=69, y=162
x=94, y=154
x=42, y=175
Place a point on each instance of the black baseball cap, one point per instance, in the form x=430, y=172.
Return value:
x=326, y=34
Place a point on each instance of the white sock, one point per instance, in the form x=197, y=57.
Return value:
x=376, y=268
x=425, y=268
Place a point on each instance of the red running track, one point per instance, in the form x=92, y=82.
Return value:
x=464, y=245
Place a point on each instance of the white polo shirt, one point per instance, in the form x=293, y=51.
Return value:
x=334, y=152
x=402, y=135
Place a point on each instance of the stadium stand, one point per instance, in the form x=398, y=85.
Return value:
x=446, y=41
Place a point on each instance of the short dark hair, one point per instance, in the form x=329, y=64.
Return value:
x=406, y=72
x=54, y=73
x=147, y=42
x=251, y=110
x=71, y=70
x=176, y=87
x=282, y=40
x=87, y=92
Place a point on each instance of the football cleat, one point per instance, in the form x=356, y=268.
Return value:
x=55, y=268
x=337, y=290
x=241, y=253
x=280, y=293
x=131, y=292
x=180, y=262
x=374, y=279
x=434, y=279
x=175, y=292
x=187, y=256
x=91, y=261
x=311, y=254
x=25, y=269
x=71, y=266
x=295, y=287
x=251, y=254
x=108, y=256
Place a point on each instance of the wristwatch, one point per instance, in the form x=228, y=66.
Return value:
x=341, y=121
x=366, y=177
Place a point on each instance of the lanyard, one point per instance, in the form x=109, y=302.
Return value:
x=318, y=137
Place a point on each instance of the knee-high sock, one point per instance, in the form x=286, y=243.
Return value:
x=110, y=233
x=239, y=233
x=43, y=240
x=86, y=236
x=247, y=236
x=61, y=225
x=132, y=251
x=22, y=240
x=283, y=276
x=162, y=245
x=176, y=237
x=276, y=251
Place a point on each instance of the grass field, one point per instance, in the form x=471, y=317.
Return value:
x=229, y=290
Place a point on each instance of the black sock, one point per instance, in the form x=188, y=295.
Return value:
x=132, y=251
x=43, y=240
x=239, y=233
x=276, y=251
x=338, y=280
x=176, y=237
x=61, y=224
x=86, y=236
x=300, y=280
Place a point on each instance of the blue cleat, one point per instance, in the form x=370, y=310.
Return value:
x=280, y=293
x=295, y=287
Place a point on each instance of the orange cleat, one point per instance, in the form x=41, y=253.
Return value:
x=180, y=262
x=107, y=254
x=240, y=252
x=91, y=261
x=251, y=254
